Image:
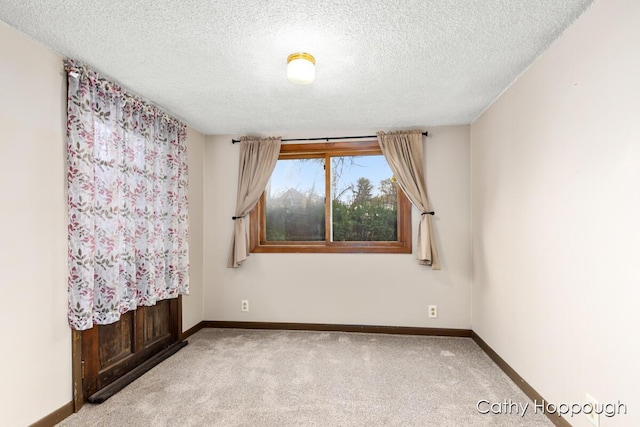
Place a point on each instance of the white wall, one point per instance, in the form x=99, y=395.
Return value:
x=36, y=357
x=36, y=363
x=556, y=215
x=370, y=289
x=193, y=304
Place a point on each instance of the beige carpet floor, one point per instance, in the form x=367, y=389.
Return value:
x=234, y=377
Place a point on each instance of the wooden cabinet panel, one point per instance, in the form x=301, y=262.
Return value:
x=156, y=327
x=111, y=351
x=116, y=341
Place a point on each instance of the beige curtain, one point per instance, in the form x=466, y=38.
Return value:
x=258, y=157
x=403, y=151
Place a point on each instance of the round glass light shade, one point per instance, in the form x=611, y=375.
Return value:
x=301, y=68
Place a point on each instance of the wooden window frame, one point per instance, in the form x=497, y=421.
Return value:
x=258, y=243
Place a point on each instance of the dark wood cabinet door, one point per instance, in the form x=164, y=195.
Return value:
x=111, y=351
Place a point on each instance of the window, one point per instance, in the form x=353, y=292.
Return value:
x=332, y=197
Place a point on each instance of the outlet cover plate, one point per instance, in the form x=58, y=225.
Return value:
x=592, y=417
x=433, y=311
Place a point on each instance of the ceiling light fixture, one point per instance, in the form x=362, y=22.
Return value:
x=301, y=68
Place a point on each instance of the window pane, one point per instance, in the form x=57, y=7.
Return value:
x=364, y=204
x=295, y=201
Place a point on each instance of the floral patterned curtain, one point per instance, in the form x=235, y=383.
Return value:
x=127, y=185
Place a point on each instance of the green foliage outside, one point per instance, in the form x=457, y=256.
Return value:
x=294, y=216
x=367, y=217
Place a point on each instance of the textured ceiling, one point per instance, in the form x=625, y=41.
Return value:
x=381, y=64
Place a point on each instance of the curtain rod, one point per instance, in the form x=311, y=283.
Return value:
x=233, y=141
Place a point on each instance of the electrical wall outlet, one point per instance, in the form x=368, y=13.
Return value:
x=433, y=311
x=592, y=416
x=244, y=305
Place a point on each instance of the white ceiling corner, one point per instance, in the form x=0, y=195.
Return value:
x=221, y=65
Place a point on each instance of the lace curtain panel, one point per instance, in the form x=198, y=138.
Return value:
x=127, y=195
